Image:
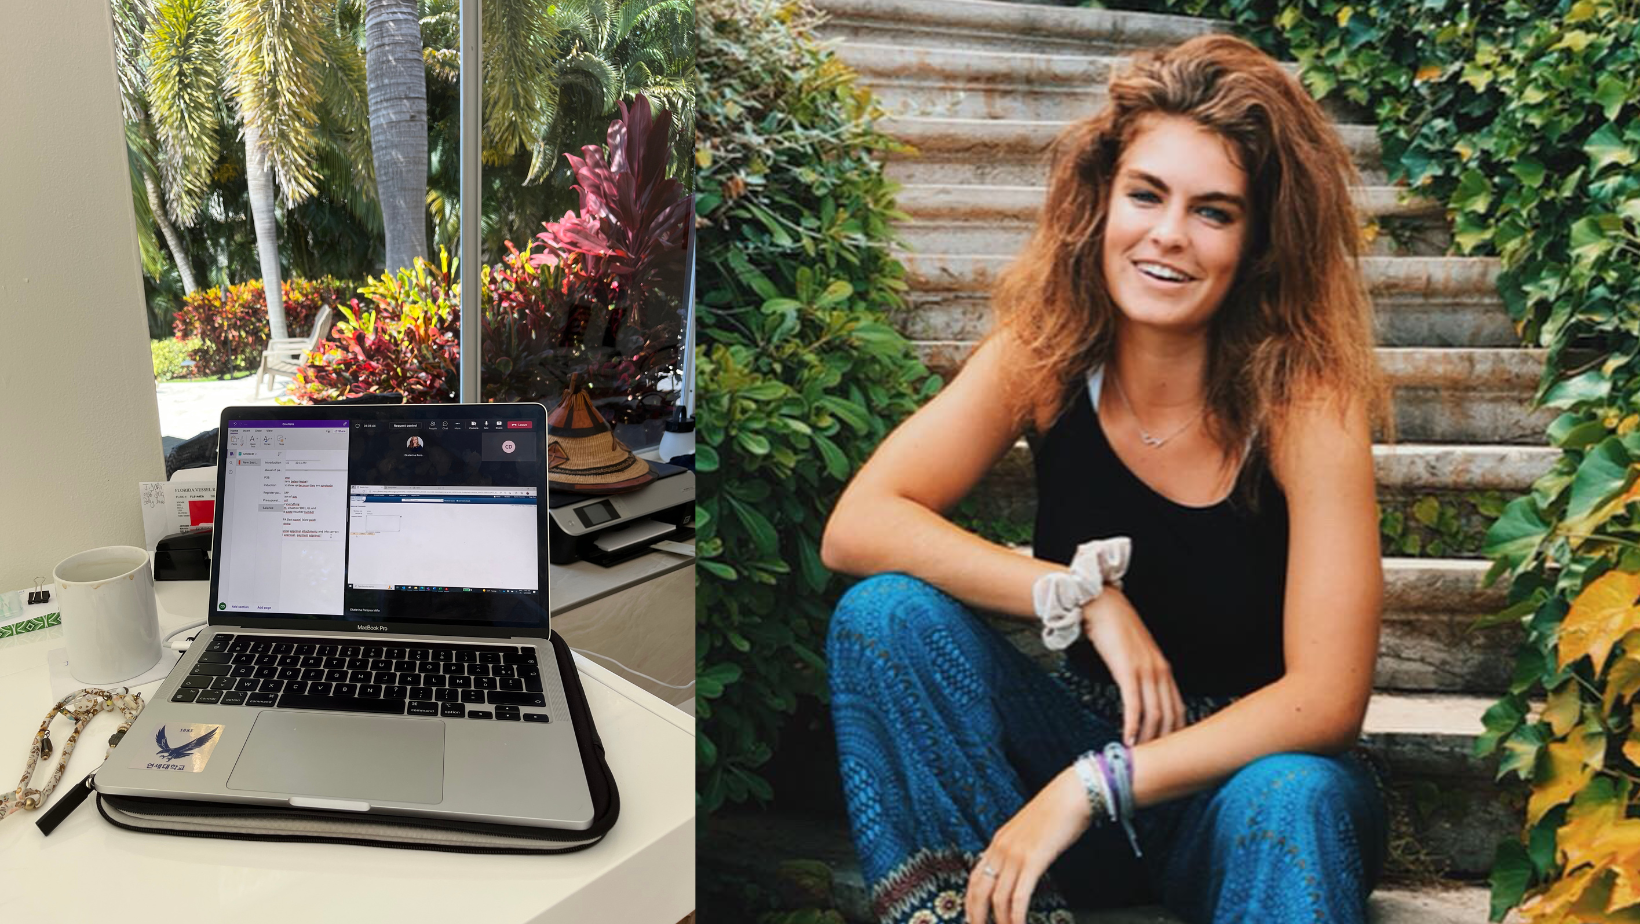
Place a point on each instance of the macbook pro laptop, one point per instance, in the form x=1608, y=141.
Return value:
x=378, y=636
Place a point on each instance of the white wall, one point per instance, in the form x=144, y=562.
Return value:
x=79, y=423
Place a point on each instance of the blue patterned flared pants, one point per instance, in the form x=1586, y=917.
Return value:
x=945, y=730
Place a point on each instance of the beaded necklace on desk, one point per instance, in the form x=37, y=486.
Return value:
x=82, y=706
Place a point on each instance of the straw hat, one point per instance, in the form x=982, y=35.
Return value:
x=583, y=455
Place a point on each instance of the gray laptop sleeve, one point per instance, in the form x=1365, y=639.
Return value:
x=189, y=818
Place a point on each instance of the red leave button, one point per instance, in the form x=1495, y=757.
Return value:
x=519, y=424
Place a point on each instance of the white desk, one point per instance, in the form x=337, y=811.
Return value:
x=89, y=870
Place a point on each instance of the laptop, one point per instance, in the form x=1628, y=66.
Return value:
x=378, y=634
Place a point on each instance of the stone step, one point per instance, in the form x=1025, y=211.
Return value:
x=962, y=83
x=755, y=844
x=1418, y=301
x=1402, y=469
x=968, y=83
x=958, y=219
x=1428, y=644
x=1440, y=395
x=1013, y=152
x=982, y=25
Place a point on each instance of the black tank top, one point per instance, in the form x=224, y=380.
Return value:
x=1209, y=582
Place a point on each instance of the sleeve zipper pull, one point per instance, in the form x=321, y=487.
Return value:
x=65, y=806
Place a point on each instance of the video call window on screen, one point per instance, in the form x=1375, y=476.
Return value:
x=437, y=537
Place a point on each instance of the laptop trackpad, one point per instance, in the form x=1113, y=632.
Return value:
x=368, y=758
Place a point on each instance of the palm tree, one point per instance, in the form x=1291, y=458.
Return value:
x=554, y=70
x=168, y=42
x=275, y=58
x=397, y=79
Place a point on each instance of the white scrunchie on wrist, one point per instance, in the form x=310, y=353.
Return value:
x=1060, y=595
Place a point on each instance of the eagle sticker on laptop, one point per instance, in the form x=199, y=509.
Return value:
x=179, y=747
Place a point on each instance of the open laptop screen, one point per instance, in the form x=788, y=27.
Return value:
x=383, y=515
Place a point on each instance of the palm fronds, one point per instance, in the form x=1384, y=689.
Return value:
x=275, y=57
x=183, y=89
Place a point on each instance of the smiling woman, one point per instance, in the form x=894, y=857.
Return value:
x=1205, y=543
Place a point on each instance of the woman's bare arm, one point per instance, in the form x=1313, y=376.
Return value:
x=892, y=515
x=1333, y=606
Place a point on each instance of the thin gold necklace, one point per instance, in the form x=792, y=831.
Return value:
x=1155, y=442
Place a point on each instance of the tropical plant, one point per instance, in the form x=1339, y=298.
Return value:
x=799, y=375
x=631, y=230
x=290, y=80
x=403, y=341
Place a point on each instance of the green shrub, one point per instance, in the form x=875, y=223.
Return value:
x=799, y=375
x=169, y=352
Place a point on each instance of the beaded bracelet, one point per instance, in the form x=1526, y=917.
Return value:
x=1108, y=781
x=82, y=706
x=1098, y=790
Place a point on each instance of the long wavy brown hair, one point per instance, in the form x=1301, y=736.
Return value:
x=1297, y=320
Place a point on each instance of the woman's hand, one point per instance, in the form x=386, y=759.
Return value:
x=1151, y=704
x=1001, y=883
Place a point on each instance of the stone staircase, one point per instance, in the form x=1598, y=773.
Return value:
x=980, y=89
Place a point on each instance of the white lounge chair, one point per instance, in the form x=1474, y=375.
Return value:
x=284, y=357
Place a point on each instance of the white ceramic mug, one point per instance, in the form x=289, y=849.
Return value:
x=110, y=620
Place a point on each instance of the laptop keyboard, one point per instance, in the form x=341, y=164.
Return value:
x=389, y=678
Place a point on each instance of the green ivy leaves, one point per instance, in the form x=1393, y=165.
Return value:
x=800, y=376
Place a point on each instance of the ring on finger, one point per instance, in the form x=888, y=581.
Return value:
x=989, y=870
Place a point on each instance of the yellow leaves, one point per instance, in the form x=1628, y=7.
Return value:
x=1623, y=681
x=1552, y=905
x=1344, y=16
x=703, y=157
x=1576, y=40
x=1571, y=764
x=1564, y=706
x=1627, y=425
x=1581, y=11
x=1428, y=72
x=1369, y=232
x=1600, y=615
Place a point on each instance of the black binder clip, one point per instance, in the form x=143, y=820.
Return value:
x=40, y=594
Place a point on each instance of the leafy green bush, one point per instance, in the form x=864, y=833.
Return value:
x=799, y=375
x=1520, y=115
x=169, y=352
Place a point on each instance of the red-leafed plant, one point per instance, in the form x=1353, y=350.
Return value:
x=232, y=326
x=631, y=230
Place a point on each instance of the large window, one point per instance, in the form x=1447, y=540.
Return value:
x=291, y=163
x=312, y=152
